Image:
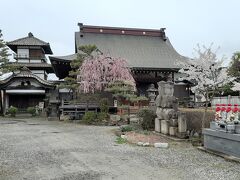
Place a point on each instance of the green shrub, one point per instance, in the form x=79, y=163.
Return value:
x=147, y=116
x=32, y=111
x=102, y=116
x=104, y=107
x=13, y=111
x=126, y=128
x=89, y=117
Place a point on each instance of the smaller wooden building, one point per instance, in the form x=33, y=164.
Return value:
x=28, y=86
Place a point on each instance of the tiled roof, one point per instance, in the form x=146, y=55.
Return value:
x=44, y=66
x=30, y=40
x=26, y=73
x=64, y=58
x=140, y=51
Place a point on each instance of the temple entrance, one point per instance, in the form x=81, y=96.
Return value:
x=22, y=102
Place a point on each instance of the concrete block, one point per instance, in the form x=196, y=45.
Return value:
x=173, y=131
x=213, y=125
x=161, y=145
x=222, y=142
x=157, y=125
x=165, y=126
x=237, y=129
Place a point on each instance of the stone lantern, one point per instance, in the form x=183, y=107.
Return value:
x=152, y=93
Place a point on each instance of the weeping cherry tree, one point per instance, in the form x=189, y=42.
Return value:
x=97, y=72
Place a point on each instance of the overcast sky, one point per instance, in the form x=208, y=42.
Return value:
x=187, y=22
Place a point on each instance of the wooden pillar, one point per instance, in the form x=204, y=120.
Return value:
x=172, y=76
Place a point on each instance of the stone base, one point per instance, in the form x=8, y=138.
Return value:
x=165, y=126
x=173, y=131
x=213, y=125
x=222, y=142
x=157, y=125
x=53, y=119
x=237, y=129
x=182, y=135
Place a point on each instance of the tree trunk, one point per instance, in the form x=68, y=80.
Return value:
x=1, y=103
x=205, y=112
x=128, y=118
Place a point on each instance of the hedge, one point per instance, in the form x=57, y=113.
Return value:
x=194, y=118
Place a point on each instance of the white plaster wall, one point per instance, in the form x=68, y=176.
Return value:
x=23, y=60
x=35, y=61
x=23, y=52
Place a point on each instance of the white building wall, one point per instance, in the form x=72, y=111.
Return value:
x=24, y=53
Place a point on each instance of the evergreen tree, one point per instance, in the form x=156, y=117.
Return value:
x=3, y=55
x=234, y=69
x=70, y=82
x=5, y=65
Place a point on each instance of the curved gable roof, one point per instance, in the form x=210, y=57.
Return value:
x=26, y=73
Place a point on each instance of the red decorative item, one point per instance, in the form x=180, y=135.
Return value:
x=228, y=109
x=235, y=104
x=223, y=109
x=235, y=109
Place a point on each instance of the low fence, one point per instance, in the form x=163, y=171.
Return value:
x=225, y=100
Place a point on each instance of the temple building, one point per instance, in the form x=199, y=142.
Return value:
x=28, y=86
x=149, y=53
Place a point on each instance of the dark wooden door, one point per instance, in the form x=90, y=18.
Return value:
x=25, y=101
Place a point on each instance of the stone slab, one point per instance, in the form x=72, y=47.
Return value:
x=222, y=142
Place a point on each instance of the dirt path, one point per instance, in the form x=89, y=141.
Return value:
x=38, y=149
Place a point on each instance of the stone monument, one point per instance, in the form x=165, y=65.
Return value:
x=168, y=118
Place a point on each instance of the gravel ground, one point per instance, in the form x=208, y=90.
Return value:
x=39, y=149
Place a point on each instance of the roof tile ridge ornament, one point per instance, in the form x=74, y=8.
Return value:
x=162, y=30
x=80, y=29
x=30, y=34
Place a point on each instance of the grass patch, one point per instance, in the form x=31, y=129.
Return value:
x=120, y=140
x=126, y=128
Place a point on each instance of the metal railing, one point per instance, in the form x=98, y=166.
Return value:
x=26, y=56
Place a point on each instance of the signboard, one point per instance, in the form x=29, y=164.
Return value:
x=115, y=103
x=41, y=105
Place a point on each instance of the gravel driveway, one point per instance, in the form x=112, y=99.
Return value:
x=39, y=149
